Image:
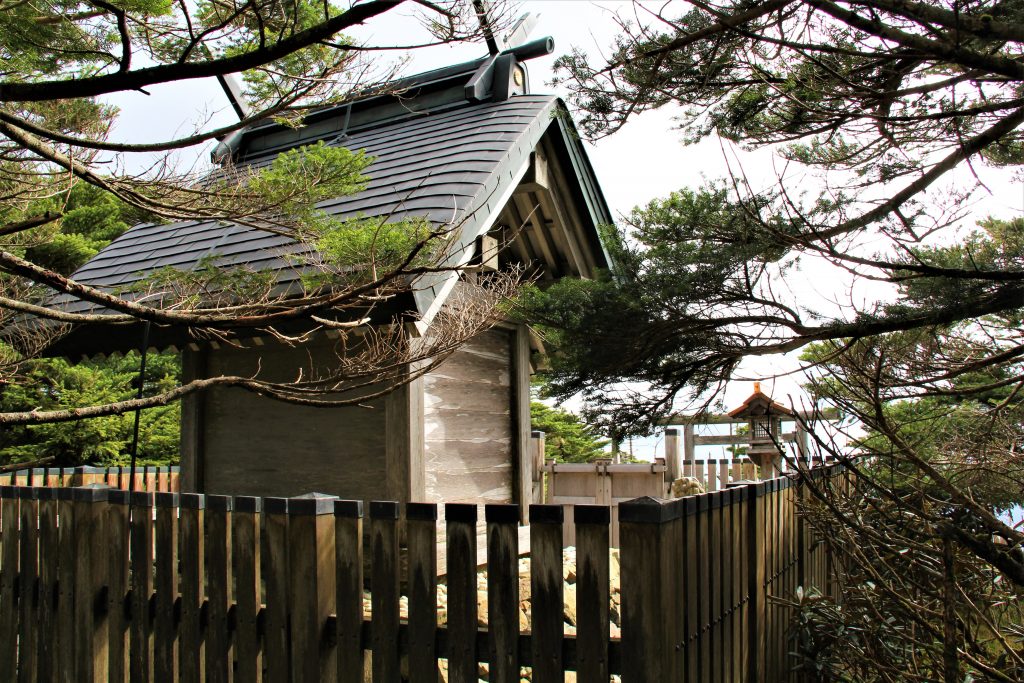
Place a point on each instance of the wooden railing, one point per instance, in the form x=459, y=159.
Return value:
x=147, y=477
x=101, y=584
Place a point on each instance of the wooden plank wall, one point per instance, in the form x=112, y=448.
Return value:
x=469, y=426
x=88, y=595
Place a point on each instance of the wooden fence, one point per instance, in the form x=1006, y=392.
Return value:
x=100, y=584
x=147, y=477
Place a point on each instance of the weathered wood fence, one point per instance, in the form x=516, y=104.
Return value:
x=101, y=584
x=147, y=477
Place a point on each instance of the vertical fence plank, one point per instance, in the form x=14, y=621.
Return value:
x=503, y=592
x=142, y=586
x=592, y=592
x=245, y=564
x=702, y=547
x=48, y=552
x=66, y=562
x=191, y=553
x=755, y=520
x=90, y=578
x=734, y=533
x=165, y=631
x=715, y=584
x=28, y=571
x=460, y=525
x=673, y=559
x=647, y=637
x=274, y=556
x=546, y=592
x=421, y=521
x=692, y=589
x=216, y=527
x=117, y=585
x=348, y=538
x=9, y=505
x=384, y=590
x=311, y=594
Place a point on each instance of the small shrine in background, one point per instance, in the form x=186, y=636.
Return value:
x=762, y=434
x=764, y=429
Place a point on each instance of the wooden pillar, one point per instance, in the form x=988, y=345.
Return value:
x=689, y=451
x=311, y=583
x=523, y=456
x=537, y=439
x=674, y=466
x=649, y=631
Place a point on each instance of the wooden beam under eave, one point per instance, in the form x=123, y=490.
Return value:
x=567, y=218
x=512, y=236
x=532, y=227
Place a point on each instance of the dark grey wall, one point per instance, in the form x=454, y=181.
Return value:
x=251, y=445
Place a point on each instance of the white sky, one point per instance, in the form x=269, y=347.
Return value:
x=645, y=160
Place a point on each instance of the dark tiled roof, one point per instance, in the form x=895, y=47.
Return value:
x=453, y=165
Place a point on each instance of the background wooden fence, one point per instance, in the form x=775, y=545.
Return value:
x=147, y=477
x=101, y=584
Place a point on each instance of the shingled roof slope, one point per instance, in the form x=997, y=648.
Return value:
x=448, y=166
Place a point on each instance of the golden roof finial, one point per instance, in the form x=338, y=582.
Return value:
x=757, y=387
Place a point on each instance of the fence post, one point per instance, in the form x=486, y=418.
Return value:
x=218, y=585
x=348, y=541
x=48, y=549
x=503, y=591
x=757, y=604
x=66, y=560
x=91, y=636
x=191, y=554
x=311, y=586
x=592, y=591
x=142, y=586
x=546, y=592
x=28, y=572
x=117, y=585
x=460, y=524
x=245, y=566
x=384, y=590
x=674, y=469
x=649, y=632
x=9, y=504
x=165, y=633
x=421, y=526
x=274, y=556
